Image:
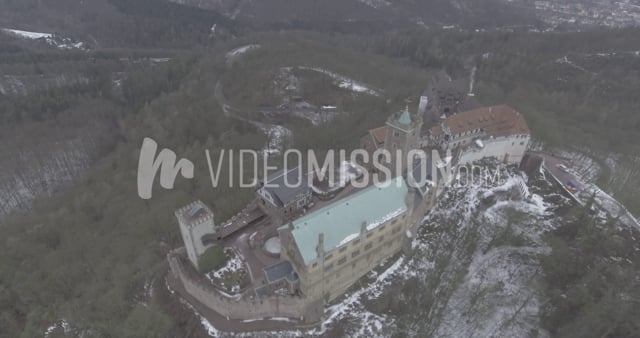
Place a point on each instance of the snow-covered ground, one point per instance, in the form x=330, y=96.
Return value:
x=50, y=38
x=28, y=35
x=346, y=82
x=375, y=3
x=61, y=326
x=277, y=137
x=477, y=285
x=496, y=296
x=234, y=263
x=234, y=266
x=233, y=55
x=609, y=207
x=623, y=173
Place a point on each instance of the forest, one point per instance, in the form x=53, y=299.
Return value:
x=90, y=253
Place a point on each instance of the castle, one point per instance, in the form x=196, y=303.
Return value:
x=328, y=241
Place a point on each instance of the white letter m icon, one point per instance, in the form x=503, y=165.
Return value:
x=166, y=162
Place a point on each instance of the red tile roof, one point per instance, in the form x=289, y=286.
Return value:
x=495, y=120
x=379, y=134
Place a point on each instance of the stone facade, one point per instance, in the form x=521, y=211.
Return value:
x=305, y=309
x=496, y=131
x=195, y=221
x=403, y=134
x=337, y=270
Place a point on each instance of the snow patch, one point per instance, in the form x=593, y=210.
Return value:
x=50, y=38
x=345, y=82
x=385, y=218
x=348, y=239
x=233, y=55
x=62, y=324
x=272, y=245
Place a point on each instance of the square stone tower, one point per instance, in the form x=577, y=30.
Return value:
x=195, y=220
x=403, y=134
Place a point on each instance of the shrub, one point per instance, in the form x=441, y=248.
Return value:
x=213, y=258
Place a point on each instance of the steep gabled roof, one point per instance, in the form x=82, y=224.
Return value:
x=286, y=185
x=379, y=134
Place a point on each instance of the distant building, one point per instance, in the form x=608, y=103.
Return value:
x=286, y=191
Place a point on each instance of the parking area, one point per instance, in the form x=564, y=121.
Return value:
x=561, y=171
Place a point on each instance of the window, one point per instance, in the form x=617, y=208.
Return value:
x=343, y=249
x=381, y=239
x=395, y=230
x=355, y=254
x=368, y=246
x=381, y=227
x=522, y=143
x=369, y=234
x=356, y=242
x=328, y=257
x=395, y=220
x=328, y=267
x=315, y=265
x=342, y=260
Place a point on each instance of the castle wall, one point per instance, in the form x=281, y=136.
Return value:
x=510, y=149
x=244, y=308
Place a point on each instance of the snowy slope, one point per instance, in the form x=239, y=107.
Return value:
x=49, y=38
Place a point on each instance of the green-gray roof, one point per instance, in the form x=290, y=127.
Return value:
x=341, y=221
x=405, y=118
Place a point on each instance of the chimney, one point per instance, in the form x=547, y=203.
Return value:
x=320, y=247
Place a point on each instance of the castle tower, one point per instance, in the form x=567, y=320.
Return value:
x=403, y=135
x=424, y=103
x=195, y=220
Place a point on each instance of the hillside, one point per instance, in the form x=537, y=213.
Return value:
x=488, y=14
x=83, y=255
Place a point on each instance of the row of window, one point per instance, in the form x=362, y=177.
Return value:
x=468, y=132
x=343, y=260
x=357, y=241
x=356, y=253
